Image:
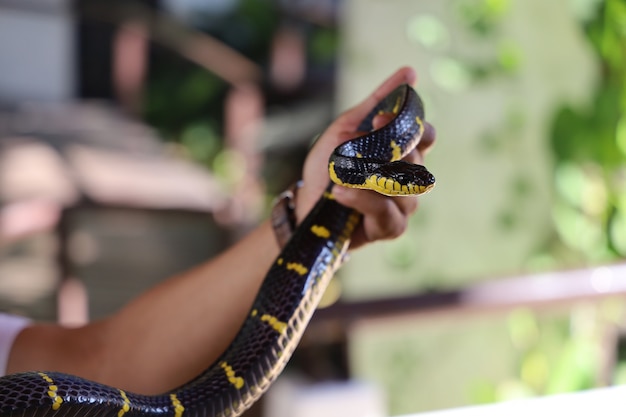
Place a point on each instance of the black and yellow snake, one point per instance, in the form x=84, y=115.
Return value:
x=287, y=298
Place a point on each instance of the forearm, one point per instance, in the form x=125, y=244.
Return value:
x=166, y=336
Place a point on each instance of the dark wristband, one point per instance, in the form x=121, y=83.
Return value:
x=283, y=214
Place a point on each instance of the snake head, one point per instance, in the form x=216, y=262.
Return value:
x=401, y=178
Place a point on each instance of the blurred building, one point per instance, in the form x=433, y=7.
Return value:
x=94, y=207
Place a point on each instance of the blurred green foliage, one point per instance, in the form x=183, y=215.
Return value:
x=589, y=210
x=483, y=17
x=565, y=353
x=589, y=148
x=185, y=102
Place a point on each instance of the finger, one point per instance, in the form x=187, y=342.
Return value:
x=428, y=139
x=353, y=117
x=383, y=217
x=380, y=120
x=369, y=231
x=407, y=204
x=414, y=157
x=388, y=222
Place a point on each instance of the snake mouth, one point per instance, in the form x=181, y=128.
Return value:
x=428, y=188
x=392, y=188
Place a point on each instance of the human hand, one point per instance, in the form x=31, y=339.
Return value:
x=383, y=217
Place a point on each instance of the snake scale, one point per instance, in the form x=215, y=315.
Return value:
x=283, y=306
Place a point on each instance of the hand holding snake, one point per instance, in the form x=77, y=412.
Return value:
x=383, y=217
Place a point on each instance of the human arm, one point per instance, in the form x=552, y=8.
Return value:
x=168, y=335
x=164, y=337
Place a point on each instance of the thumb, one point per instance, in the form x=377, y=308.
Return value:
x=381, y=120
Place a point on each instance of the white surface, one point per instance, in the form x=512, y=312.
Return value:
x=605, y=402
x=288, y=397
x=10, y=326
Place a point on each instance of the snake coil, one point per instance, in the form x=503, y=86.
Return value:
x=283, y=306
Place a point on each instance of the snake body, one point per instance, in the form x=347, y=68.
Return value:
x=284, y=304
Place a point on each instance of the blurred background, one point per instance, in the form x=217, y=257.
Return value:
x=139, y=138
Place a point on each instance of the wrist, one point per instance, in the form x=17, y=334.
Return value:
x=283, y=216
